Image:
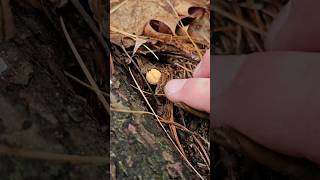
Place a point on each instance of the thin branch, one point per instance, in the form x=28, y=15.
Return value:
x=38, y=155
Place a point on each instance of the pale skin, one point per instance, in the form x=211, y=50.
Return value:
x=194, y=91
x=271, y=97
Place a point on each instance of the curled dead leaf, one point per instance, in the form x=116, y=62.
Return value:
x=155, y=19
x=134, y=15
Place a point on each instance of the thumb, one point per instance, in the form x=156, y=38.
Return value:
x=194, y=92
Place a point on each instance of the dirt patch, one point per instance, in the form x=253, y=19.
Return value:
x=39, y=109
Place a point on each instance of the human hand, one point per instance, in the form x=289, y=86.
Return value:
x=273, y=96
x=195, y=91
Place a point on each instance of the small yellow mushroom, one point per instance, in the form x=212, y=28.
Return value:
x=153, y=76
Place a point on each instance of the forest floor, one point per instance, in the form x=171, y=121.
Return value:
x=48, y=131
x=166, y=140
x=53, y=124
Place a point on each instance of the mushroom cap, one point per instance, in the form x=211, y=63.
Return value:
x=153, y=76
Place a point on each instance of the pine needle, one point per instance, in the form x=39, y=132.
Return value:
x=83, y=83
x=39, y=155
x=118, y=6
x=84, y=68
x=151, y=51
x=185, y=31
x=166, y=132
x=237, y=20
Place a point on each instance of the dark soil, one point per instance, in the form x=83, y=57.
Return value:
x=39, y=110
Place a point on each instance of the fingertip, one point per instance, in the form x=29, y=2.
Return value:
x=173, y=88
x=195, y=92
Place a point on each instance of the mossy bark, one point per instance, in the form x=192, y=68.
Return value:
x=139, y=147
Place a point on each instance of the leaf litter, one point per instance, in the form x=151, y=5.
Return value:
x=170, y=36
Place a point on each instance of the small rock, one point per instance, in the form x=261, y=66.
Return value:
x=132, y=129
x=168, y=157
x=175, y=170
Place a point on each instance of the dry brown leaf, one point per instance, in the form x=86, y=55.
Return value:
x=134, y=15
x=151, y=18
x=200, y=28
x=139, y=43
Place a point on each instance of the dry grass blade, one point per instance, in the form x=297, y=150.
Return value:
x=181, y=127
x=172, y=127
x=118, y=6
x=141, y=74
x=84, y=68
x=147, y=92
x=169, y=111
x=144, y=97
x=193, y=111
x=134, y=37
x=250, y=35
x=203, y=150
x=84, y=84
x=112, y=69
x=38, y=155
x=123, y=32
x=237, y=20
x=151, y=51
x=202, y=157
x=184, y=68
x=129, y=111
x=91, y=24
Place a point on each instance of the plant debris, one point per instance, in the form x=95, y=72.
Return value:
x=166, y=39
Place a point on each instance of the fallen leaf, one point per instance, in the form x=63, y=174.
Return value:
x=139, y=42
x=133, y=16
x=155, y=19
x=200, y=28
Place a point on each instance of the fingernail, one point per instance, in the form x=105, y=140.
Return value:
x=196, y=70
x=174, y=86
